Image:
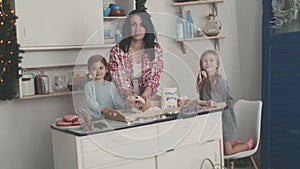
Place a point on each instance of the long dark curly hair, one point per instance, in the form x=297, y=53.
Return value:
x=150, y=35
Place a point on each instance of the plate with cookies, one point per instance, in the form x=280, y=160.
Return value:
x=68, y=122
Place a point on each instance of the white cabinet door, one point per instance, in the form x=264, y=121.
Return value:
x=190, y=157
x=59, y=23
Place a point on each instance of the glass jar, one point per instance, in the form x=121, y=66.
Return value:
x=60, y=83
x=212, y=27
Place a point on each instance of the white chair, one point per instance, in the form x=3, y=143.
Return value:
x=248, y=116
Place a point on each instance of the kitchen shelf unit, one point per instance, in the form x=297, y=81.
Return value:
x=53, y=93
x=127, y=6
x=215, y=12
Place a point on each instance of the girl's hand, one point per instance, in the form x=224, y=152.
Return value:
x=130, y=102
x=212, y=103
x=203, y=102
x=217, y=104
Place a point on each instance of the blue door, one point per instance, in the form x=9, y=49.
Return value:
x=281, y=85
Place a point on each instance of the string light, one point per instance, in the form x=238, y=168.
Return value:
x=9, y=59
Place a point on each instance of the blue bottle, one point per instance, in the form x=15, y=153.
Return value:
x=179, y=26
x=189, y=25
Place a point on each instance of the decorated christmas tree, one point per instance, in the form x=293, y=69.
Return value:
x=9, y=51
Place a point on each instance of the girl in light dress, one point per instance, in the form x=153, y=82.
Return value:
x=214, y=91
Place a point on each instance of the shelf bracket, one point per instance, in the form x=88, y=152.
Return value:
x=215, y=9
x=217, y=44
x=183, y=47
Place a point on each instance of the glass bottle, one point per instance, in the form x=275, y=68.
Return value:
x=179, y=26
x=189, y=25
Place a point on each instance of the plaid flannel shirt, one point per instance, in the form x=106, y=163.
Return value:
x=121, y=69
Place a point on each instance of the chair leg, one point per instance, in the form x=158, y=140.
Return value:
x=231, y=164
x=253, y=162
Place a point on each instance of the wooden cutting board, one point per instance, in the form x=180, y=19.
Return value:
x=126, y=115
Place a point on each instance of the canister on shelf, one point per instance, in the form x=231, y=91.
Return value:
x=41, y=84
x=27, y=84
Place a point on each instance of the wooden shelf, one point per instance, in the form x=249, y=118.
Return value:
x=200, y=38
x=113, y=17
x=197, y=2
x=63, y=47
x=52, y=67
x=215, y=38
x=64, y=93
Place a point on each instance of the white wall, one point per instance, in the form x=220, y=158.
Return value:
x=24, y=124
x=249, y=19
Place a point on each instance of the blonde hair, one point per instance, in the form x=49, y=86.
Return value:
x=214, y=80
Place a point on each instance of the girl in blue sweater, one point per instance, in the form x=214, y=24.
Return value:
x=100, y=92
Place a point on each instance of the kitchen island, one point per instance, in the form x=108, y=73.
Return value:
x=162, y=143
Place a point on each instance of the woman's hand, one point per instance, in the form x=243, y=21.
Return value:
x=146, y=95
x=147, y=104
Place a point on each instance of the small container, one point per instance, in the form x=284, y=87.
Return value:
x=106, y=11
x=41, y=84
x=60, y=84
x=118, y=37
x=213, y=27
x=107, y=33
x=27, y=84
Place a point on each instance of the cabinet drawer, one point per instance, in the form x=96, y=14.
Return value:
x=191, y=156
x=187, y=131
x=134, y=151
x=118, y=138
x=99, y=158
x=148, y=163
